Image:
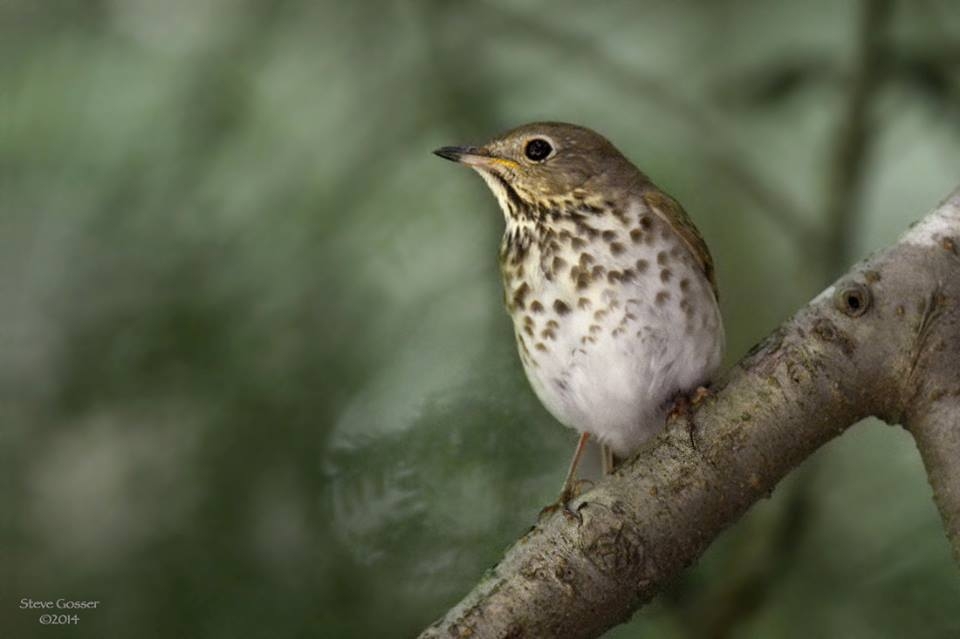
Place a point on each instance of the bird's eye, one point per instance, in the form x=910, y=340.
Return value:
x=537, y=149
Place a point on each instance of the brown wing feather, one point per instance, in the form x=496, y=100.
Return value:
x=671, y=212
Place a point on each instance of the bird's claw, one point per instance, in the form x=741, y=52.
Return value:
x=700, y=395
x=681, y=408
x=682, y=403
x=563, y=503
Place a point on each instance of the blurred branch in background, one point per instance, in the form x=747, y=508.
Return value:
x=847, y=168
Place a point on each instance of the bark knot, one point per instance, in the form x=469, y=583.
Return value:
x=852, y=299
x=827, y=331
x=615, y=548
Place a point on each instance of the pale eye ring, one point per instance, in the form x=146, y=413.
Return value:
x=537, y=150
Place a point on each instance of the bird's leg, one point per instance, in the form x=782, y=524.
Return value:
x=607, y=460
x=568, y=491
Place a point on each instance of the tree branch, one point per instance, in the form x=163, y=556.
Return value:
x=883, y=341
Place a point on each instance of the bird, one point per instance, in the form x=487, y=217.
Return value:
x=609, y=284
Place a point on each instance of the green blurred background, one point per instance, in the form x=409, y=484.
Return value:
x=256, y=377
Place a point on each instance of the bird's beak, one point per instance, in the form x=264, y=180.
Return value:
x=473, y=156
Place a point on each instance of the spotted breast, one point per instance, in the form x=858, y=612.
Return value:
x=613, y=317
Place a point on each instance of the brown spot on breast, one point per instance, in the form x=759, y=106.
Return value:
x=609, y=236
x=580, y=278
x=560, y=307
x=586, y=229
x=661, y=298
x=583, y=302
x=636, y=235
x=642, y=265
x=599, y=315
x=684, y=285
x=552, y=324
x=645, y=222
x=594, y=328
x=598, y=271
x=528, y=330
x=541, y=347
x=577, y=243
x=614, y=276
x=547, y=334
x=536, y=306
x=662, y=258
x=519, y=294
x=586, y=259
x=558, y=263
x=616, y=248
x=665, y=275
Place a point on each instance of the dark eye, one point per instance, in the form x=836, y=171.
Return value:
x=537, y=149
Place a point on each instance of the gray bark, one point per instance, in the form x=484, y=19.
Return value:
x=884, y=340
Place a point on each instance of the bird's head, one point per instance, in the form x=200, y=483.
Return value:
x=548, y=166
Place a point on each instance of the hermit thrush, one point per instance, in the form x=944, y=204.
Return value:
x=609, y=284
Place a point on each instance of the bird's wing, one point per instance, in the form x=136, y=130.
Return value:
x=670, y=211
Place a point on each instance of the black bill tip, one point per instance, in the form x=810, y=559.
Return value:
x=457, y=153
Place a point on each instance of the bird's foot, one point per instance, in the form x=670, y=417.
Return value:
x=682, y=403
x=568, y=494
x=563, y=507
x=700, y=395
x=681, y=408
